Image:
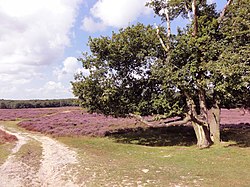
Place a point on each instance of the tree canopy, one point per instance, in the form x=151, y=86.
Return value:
x=120, y=80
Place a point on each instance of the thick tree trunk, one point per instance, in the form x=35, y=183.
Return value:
x=200, y=126
x=203, y=135
x=214, y=123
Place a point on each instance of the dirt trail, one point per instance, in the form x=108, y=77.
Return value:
x=57, y=167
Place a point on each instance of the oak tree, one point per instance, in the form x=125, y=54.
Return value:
x=192, y=74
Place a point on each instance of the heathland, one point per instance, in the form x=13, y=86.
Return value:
x=68, y=146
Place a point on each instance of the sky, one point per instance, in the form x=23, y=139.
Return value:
x=40, y=41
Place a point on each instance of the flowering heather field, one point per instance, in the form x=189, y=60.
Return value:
x=5, y=137
x=235, y=117
x=70, y=121
x=73, y=121
x=15, y=114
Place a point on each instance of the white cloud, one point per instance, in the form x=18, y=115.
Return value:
x=71, y=66
x=114, y=13
x=90, y=25
x=53, y=89
x=210, y=1
x=33, y=35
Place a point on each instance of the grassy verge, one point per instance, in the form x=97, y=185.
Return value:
x=107, y=163
x=5, y=150
x=12, y=125
x=31, y=154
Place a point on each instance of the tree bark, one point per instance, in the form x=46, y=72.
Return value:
x=214, y=123
x=203, y=105
x=203, y=135
x=200, y=126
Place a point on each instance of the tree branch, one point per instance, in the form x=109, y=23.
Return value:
x=164, y=124
x=194, y=9
x=196, y=119
x=166, y=48
x=168, y=21
x=188, y=12
x=178, y=122
x=140, y=118
x=224, y=10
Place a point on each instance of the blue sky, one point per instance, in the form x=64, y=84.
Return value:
x=41, y=39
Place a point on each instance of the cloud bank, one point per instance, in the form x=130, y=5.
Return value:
x=33, y=35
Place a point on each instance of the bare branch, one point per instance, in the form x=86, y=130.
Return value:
x=166, y=48
x=194, y=9
x=168, y=21
x=178, y=122
x=224, y=10
x=162, y=124
x=188, y=12
x=141, y=119
x=196, y=119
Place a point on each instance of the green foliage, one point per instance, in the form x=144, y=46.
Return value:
x=121, y=80
x=234, y=60
x=216, y=60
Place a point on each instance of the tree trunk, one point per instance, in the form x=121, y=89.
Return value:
x=203, y=135
x=214, y=123
x=203, y=105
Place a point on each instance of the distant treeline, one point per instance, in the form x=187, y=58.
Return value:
x=12, y=104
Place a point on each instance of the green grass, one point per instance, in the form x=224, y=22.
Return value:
x=12, y=125
x=114, y=163
x=5, y=151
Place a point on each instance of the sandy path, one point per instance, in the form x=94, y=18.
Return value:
x=58, y=164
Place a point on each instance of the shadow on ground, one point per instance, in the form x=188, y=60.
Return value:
x=179, y=135
x=239, y=133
